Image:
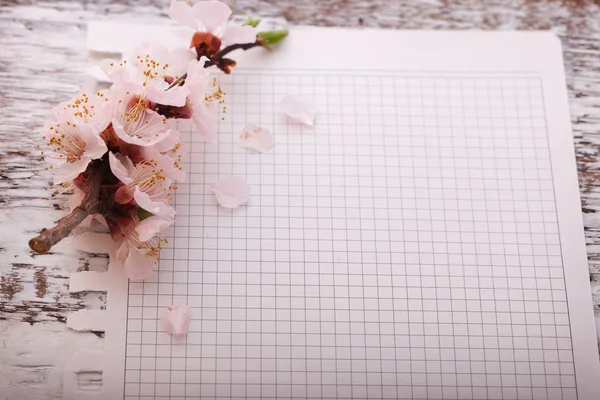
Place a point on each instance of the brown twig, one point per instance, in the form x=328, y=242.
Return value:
x=89, y=205
x=217, y=60
x=221, y=54
x=92, y=202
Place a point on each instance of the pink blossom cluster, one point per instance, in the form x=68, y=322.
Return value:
x=126, y=134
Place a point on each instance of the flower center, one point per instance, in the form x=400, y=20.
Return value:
x=152, y=70
x=67, y=145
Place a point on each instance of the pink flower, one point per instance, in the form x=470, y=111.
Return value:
x=74, y=146
x=167, y=161
x=141, y=244
x=135, y=248
x=175, y=320
x=146, y=183
x=150, y=71
x=212, y=17
x=94, y=110
x=135, y=123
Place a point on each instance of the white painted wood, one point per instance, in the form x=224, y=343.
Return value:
x=43, y=61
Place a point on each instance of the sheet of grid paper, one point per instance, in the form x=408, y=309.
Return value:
x=423, y=240
x=407, y=247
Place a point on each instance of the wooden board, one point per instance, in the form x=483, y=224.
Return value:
x=42, y=62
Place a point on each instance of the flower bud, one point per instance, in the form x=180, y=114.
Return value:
x=270, y=38
x=253, y=22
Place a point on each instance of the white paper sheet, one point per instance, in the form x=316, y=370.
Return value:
x=423, y=240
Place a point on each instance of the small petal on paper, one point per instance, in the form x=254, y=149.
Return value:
x=256, y=138
x=231, y=191
x=175, y=320
x=299, y=108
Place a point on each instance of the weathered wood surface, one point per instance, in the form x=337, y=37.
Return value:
x=42, y=62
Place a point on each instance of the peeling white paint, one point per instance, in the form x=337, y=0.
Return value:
x=43, y=61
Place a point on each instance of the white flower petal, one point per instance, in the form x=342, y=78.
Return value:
x=168, y=143
x=94, y=144
x=256, y=138
x=170, y=167
x=149, y=140
x=179, y=61
x=157, y=208
x=299, y=108
x=152, y=226
x=231, y=191
x=204, y=120
x=213, y=14
x=173, y=97
x=137, y=265
x=234, y=34
x=198, y=78
x=92, y=112
x=116, y=70
x=155, y=51
x=119, y=167
x=70, y=170
x=182, y=12
x=175, y=320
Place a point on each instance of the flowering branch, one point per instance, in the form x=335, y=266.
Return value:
x=89, y=205
x=225, y=64
x=115, y=149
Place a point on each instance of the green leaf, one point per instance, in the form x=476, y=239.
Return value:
x=253, y=22
x=269, y=38
x=143, y=214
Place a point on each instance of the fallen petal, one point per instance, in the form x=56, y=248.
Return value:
x=256, y=138
x=299, y=108
x=175, y=320
x=231, y=191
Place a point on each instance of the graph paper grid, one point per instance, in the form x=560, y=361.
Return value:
x=406, y=247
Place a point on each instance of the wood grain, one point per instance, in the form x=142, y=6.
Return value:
x=42, y=62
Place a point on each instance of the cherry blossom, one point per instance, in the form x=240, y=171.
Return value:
x=212, y=17
x=94, y=110
x=256, y=138
x=231, y=191
x=149, y=72
x=140, y=245
x=134, y=247
x=175, y=320
x=136, y=123
x=73, y=146
x=118, y=153
x=145, y=183
x=299, y=108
